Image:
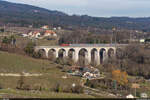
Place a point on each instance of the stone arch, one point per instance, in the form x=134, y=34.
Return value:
x=83, y=57
x=71, y=53
x=52, y=54
x=111, y=52
x=102, y=54
x=62, y=53
x=94, y=56
x=42, y=53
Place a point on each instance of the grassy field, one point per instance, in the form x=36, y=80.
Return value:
x=45, y=42
x=40, y=42
x=12, y=63
x=51, y=75
x=29, y=94
x=21, y=41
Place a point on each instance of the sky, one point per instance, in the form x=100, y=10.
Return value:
x=98, y=8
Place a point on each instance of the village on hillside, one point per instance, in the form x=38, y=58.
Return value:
x=39, y=34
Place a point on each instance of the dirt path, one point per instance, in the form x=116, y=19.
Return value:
x=17, y=75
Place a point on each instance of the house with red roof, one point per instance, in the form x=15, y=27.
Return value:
x=50, y=33
x=36, y=34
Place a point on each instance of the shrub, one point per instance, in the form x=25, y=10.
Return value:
x=37, y=87
x=29, y=49
x=60, y=66
x=2, y=30
x=65, y=69
x=21, y=82
x=64, y=61
x=22, y=85
x=6, y=40
x=9, y=40
x=26, y=87
x=57, y=88
x=1, y=86
x=77, y=89
x=67, y=89
x=36, y=55
x=104, y=87
x=92, y=84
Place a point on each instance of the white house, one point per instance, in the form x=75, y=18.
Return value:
x=142, y=40
x=59, y=28
x=54, y=28
x=27, y=34
x=144, y=95
x=45, y=27
x=24, y=35
x=30, y=33
x=130, y=96
x=36, y=35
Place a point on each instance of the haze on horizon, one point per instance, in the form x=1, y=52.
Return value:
x=98, y=8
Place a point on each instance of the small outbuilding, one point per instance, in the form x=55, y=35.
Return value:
x=143, y=95
x=130, y=96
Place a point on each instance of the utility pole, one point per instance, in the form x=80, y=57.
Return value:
x=113, y=34
x=115, y=38
x=4, y=28
x=112, y=37
x=130, y=37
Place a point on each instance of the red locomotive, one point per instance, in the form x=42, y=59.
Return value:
x=65, y=45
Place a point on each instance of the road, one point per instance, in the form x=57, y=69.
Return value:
x=92, y=91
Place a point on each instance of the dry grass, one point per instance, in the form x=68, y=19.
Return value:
x=13, y=63
x=27, y=94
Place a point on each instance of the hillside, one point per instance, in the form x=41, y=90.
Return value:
x=51, y=75
x=24, y=15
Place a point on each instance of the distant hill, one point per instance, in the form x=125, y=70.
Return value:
x=26, y=14
x=23, y=15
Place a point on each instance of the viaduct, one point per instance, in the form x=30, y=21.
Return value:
x=92, y=52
